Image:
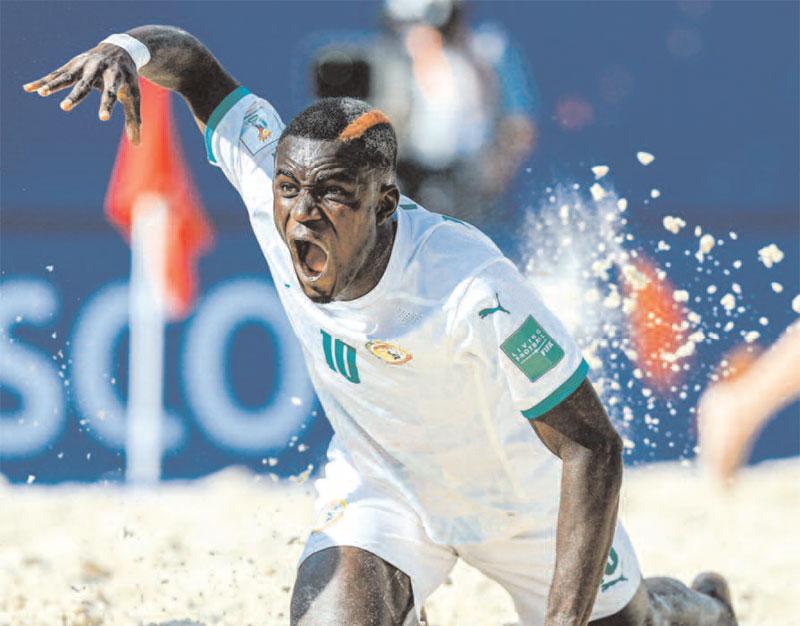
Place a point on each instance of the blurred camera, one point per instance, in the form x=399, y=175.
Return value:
x=340, y=72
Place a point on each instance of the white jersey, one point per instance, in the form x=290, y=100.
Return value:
x=429, y=379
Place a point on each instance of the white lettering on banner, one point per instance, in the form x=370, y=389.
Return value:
x=27, y=431
x=205, y=364
x=97, y=330
x=40, y=419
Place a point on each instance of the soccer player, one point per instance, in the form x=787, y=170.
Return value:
x=465, y=424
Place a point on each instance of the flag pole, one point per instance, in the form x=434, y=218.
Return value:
x=146, y=352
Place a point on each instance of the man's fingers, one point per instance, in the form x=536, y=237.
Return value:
x=82, y=87
x=72, y=66
x=111, y=80
x=129, y=98
x=37, y=84
x=57, y=83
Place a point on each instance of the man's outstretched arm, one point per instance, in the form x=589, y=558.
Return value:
x=178, y=61
x=579, y=432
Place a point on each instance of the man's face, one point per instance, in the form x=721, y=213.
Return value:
x=328, y=213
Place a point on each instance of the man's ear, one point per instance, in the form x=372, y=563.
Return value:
x=390, y=198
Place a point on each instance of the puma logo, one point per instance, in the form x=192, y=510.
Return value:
x=486, y=312
x=611, y=583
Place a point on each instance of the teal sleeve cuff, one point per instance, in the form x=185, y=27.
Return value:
x=217, y=115
x=561, y=393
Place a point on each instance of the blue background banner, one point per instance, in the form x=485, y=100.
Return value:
x=710, y=88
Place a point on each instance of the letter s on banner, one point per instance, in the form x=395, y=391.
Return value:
x=205, y=361
x=40, y=420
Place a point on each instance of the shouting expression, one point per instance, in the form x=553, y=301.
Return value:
x=334, y=217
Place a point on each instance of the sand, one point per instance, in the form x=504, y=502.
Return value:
x=222, y=550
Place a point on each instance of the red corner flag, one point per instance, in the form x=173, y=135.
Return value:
x=156, y=168
x=658, y=327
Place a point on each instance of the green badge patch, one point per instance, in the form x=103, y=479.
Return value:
x=532, y=350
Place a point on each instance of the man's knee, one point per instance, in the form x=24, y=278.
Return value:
x=347, y=585
x=661, y=601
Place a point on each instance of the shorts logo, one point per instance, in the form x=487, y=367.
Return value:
x=330, y=514
x=256, y=133
x=611, y=568
x=532, y=350
x=389, y=352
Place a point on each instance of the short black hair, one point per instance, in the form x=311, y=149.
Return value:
x=326, y=119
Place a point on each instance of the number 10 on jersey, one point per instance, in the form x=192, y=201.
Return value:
x=340, y=357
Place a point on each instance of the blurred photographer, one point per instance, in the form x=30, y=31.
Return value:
x=459, y=98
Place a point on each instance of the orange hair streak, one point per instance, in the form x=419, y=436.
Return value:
x=362, y=124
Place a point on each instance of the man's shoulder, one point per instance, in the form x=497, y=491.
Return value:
x=443, y=251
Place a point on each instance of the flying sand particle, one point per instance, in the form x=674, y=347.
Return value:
x=751, y=336
x=770, y=255
x=673, y=224
x=645, y=158
x=599, y=171
x=706, y=243
x=598, y=193
x=680, y=295
x=728, y=301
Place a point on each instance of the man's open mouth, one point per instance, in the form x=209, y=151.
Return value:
x=312, y=258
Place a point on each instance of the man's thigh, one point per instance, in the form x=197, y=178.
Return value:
x=348, y=586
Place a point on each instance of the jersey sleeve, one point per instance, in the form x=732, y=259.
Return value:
x=241, y=138
x=503, y=325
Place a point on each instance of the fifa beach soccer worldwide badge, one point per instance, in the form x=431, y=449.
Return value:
x=388, y=352
x=256, y=133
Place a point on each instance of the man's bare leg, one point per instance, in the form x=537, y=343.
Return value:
x=344, y=585
x=668, y=602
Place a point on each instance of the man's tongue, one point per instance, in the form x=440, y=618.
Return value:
x=315, y=258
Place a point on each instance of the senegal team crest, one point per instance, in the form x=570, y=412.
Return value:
x=331, y=513
x=389, y=352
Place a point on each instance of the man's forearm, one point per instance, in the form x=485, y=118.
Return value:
x=180, y=62
x=590, y=485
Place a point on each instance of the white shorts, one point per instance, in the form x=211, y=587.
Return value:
x=373, y=520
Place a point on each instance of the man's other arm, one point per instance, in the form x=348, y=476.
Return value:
x=178, y=61
x=579, y=432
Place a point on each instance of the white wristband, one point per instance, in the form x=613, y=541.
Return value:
x=138, y=51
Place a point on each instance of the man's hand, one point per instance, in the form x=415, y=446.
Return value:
x=107, y=68
x=178, y=61
x=579, y=432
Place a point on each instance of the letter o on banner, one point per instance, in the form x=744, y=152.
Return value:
x=205, y=361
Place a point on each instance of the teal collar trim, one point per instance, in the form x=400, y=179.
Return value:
x=217, y=115
x=564, y=390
